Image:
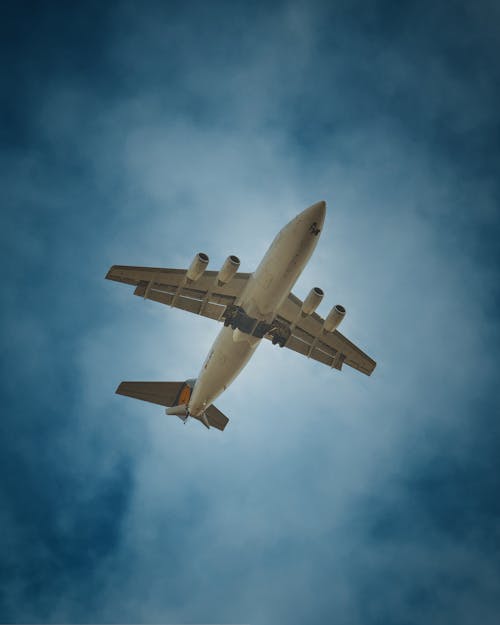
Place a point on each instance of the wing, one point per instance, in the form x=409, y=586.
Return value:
x=309, y=339
x=168, y=286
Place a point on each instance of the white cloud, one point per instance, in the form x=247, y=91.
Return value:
x=214, y=516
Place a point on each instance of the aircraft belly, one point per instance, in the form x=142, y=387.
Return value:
x=273, y=280
x=269, y=285
x=224, y=362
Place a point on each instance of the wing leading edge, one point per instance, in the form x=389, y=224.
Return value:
x=168, y=286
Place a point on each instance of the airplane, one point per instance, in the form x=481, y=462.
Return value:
x=252, y=307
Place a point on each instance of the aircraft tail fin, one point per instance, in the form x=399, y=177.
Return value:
x=175, y=397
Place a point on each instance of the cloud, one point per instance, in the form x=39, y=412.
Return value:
x=328, y=494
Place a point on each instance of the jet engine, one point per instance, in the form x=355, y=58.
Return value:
x=334, y=318
x=229, y=268
x=312, y=301
x=197, y=267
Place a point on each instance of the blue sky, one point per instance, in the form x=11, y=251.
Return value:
x=142, y=133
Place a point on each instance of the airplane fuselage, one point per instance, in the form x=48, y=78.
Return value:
x=262, y=297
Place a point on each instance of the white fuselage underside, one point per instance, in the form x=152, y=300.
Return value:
x=267, y=289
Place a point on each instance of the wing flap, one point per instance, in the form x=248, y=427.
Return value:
x=197, y=306
x=319, y=353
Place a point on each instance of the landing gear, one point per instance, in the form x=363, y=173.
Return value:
x=236, y=317
x=278, y=331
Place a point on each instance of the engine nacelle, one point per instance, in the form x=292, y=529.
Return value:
x=334, y=318
x=197, y=267
x=229, y=268
x=312, y=301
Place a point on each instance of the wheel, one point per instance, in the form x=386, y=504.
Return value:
x=275, y=340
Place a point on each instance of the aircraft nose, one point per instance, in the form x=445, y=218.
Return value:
x=313, y=216
x=315, y=213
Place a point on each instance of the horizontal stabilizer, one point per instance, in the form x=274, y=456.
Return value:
x=166, y=394
x=161, y=393
x=215, y=418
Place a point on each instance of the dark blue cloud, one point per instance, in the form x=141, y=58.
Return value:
x=139, y=135
x=436, y=531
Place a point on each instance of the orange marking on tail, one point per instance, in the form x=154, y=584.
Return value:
x=185, y=395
